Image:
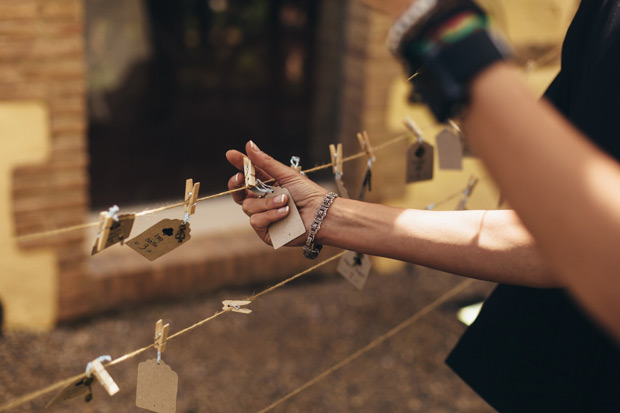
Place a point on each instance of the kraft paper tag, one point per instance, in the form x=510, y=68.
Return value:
x=342, y=190
x=355, y=267
x=119, y=231
x=420, y=162
x=161, y=238
x=449, y=150
x=157, y=387
x=76, y=389
x=289, y=228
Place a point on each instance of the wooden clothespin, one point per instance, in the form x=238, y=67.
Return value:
x=95, y=367
x=236, y=306
x=413, y=128
x=106, y=220
x=336, y=156
x=249, y=171
x=191, y=196
x=161, y=337
x=365, y=144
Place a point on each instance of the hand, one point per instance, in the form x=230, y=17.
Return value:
x=265, y=211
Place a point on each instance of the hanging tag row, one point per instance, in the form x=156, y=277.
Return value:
x=157, y=384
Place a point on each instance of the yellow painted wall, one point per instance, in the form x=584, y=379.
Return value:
x=28, y=279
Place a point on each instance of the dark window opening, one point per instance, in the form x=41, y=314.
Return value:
x=207, y=76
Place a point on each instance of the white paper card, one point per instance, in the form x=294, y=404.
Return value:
x=289, y=228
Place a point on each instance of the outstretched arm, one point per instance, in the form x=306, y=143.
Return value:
x=489, y=245
x=566, y=191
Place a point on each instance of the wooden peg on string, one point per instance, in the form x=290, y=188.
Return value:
x=365, y=144
x=191, y=196
x=161, y=337
x=95, y=367
x=105, y=223
x=413, y=128
x=249, y=171
x=236, y=306
x=336, y=156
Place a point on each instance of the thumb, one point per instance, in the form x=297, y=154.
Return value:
x=280, y=172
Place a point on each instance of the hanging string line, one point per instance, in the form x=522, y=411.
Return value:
x=60, y=384
x=394, y=331
x=59, y=231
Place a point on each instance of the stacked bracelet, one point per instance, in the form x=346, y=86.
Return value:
x=311, y=250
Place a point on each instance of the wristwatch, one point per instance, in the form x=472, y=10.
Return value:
x=443, y=45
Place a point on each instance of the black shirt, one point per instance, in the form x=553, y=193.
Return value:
x=534, y=350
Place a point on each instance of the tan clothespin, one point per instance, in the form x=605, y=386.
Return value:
x=336, y=156
x=161, y=336
x=365, y=144
x=236, y=306
x=249, y=171
x=413, y=128
x=191, y=196
x=106, y=220
x=95, y=367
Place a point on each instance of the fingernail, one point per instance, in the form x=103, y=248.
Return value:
x=236, y=178
x=254, y=146
x=280, y=199
x=283, y=210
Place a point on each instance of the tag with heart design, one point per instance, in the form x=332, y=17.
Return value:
x=161, y=238
x=420, y=162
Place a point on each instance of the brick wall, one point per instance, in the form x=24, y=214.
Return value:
x=369, y=72
x=42, y=59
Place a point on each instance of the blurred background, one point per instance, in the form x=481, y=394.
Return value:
x=118, y=102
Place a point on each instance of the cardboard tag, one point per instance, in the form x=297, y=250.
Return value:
x=355, y=267
x=76, y=389
x=420, y=162
x=289, y=228
x=161, y=238
x=366, y=184
x=119, y=231
x=450, y=150
x=157, y=387
x=342, y=190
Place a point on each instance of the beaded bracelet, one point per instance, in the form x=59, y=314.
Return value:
x=311, y=250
